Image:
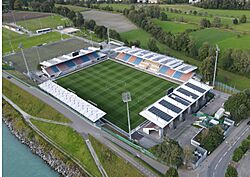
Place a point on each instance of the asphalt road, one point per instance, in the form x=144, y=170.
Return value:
x=82, y=126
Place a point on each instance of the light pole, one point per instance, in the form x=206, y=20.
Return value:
x=215, y=65
x=126, y=97
x=26, y=64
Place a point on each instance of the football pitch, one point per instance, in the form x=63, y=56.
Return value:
x=104, y=84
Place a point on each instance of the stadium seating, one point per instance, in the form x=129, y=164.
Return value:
x=126, y=57
x=177, y=75
x=163, y=69
x=62, y=67
x=95, y=54
x=186, y=77
x=170, y=72
x=137, y=61
x=85, y=58
x=132, y=59
x=70, y=64
x=120, y=56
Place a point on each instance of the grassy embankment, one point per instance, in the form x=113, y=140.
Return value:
x=72, y=7
x=72, y=142
x=12, y=38
x=30, y=104
x=113, y=164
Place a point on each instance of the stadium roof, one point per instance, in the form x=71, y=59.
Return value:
x=169, y=107
x=171, y=62
x=70, y=56
x=72, y=100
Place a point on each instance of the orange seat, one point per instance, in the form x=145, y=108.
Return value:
x=170, y=72
x=186, y=77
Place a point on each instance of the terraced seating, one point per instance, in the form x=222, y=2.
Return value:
x=132, y=59
x=137, y=61
x=95, y=54
x=126, y=57
x=70, y=64
x=163, y=69
x=85, y=58
x=177, y=75
x=170, y=72
x=144, y=65
x=62, y=67
x=186, y=77
x=120, y=56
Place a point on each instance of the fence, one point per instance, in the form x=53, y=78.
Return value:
x=226, y=88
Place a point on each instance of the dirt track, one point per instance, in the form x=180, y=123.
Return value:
x=112, y=20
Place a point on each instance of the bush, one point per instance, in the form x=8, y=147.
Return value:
x=172, y=172
x=231, y=172
x=237, y=155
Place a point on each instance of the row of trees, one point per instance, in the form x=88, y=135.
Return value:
x=224, y=4
x=241, y=150
x=239, y=105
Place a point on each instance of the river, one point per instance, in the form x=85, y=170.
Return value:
x=19, y=161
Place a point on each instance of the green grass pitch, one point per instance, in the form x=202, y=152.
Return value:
x=104, y=84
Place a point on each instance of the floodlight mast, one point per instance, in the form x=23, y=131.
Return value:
x=25, y=62
x=215, y=65
x=126, y=97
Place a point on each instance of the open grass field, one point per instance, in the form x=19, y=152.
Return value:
x=46, y=52
x=112, y=163
x=225, y=39
x=12, y=38
x=104, y=84
x=46, y=22
x=174, y=27
x=114, y=21
x=30, y=103
x=74, y=8
x=71, y=142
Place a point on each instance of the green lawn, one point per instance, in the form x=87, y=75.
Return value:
x=114, y=165
x=174, y=27
x=45, y=22
x=14, y=39
x=116, y=6
x=86, y=34
x=225, y=39
x=72, y=7
x=72, y=142
x=104, y=84
x=29, y=103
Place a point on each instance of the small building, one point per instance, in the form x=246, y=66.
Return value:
x=219, y=114
x=194, y=1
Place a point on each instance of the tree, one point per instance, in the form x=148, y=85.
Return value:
x=90, y=24
x=204, y=23
x=243, y=19
x=172, y=172
x=18, y=5
x=217, y=22
x=204, y=51
x=164, y=16
x=235, y=21
x=238, y=105
x=152, y=45
x=207, y=69
x=211, y=138
x=169, y=151
x=226, y=59
x=231, y=172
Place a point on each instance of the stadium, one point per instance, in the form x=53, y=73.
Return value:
x=91, y=82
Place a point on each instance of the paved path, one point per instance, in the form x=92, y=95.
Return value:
x=82, y=125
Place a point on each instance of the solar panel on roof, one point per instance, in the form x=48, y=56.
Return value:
x=180, y=99
x=185, y=92
x=201, y=90
x=170, y=106
x=185, y=68
x=160, y=113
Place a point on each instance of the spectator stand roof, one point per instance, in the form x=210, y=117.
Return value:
x=70, y=56
x=73, y=101
x=169, y=107
x=171, y=62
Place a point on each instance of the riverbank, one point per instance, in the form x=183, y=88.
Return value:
x=55, y=159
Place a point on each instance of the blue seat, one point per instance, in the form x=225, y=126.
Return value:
x=95, y=54
x=126, y=57
x=177, y=75
x=85, y=58
x=70, y=64
x=137, y=61
x=54, y=69
x=164, y=69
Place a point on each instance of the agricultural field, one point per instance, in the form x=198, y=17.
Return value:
x=46, y=22
x=174, y=27
x=111, y=20
x=11, y=39
x=74, y=8
x=225, y=39
x=104, y=84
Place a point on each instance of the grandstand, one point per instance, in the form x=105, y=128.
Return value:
x=161, y=65
x=185, y=99
x=86, y=109
x=67, y=63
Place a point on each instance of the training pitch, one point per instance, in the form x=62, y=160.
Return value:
x=104, y=84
